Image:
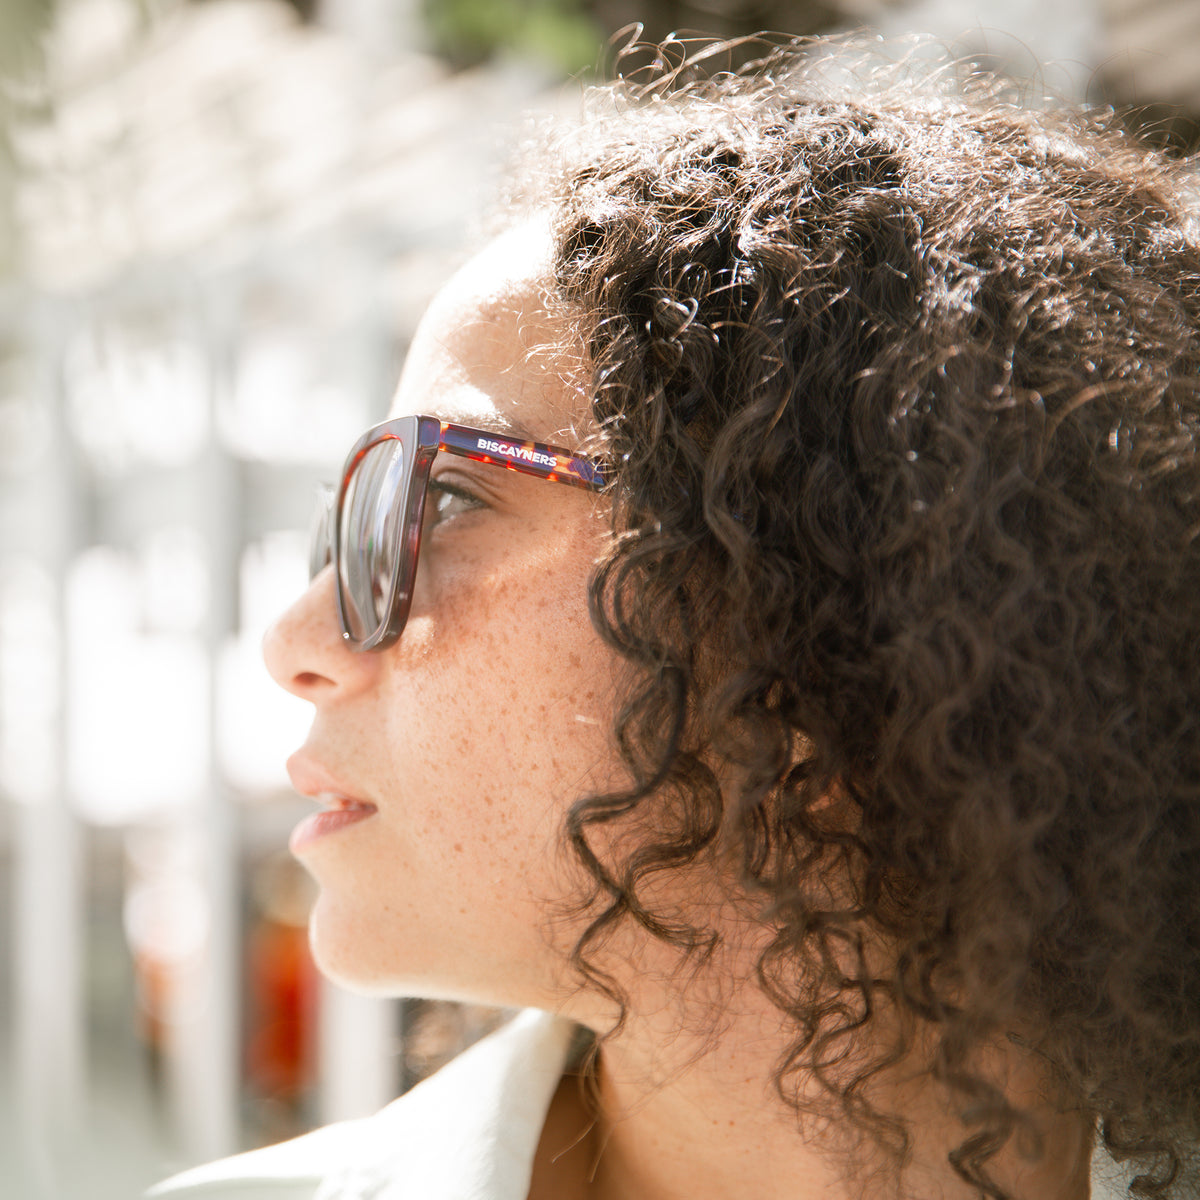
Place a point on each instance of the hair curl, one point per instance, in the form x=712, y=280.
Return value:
x=902, y=393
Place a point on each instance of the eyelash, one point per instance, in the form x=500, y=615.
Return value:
x=438, y=492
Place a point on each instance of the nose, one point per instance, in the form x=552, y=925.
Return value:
x=305, y=652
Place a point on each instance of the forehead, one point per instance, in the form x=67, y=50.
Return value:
x=488, y=353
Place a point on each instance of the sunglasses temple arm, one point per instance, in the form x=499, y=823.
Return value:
x=530, y=458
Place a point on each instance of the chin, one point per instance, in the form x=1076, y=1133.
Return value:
x=417, y=956
x=349, y=953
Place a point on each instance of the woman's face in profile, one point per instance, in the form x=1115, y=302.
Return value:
x=472, y=734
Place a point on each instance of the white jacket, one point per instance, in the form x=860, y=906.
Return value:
x=467, y=1133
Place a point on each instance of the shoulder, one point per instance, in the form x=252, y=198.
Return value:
x=470, y=1130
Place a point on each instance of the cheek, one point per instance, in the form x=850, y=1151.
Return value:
x=490, y=716
x=500, y=690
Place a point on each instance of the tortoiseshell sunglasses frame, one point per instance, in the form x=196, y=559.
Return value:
x=423, y=438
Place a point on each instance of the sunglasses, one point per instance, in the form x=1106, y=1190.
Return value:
x=370, y=526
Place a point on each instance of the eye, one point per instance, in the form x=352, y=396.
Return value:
x=445, y=500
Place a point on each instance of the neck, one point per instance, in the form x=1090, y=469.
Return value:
x=688, y=1110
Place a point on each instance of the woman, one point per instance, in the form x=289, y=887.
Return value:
x=828, y=748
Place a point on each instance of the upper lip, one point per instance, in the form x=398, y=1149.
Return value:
x=312, y=778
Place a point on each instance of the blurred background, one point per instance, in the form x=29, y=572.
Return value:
x=219, y=222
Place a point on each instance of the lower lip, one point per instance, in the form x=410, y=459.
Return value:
x=326, y=822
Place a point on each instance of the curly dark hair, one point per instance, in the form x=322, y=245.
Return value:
x=901, y=389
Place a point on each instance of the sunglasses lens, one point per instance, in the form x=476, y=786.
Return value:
x=319, y=547
x=370, y=535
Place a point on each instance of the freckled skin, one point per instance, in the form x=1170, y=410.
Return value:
x=467, y=733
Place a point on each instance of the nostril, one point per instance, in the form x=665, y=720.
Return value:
x=310, y=679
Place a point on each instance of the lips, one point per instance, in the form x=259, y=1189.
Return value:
x=339, y=813
x=340, y=808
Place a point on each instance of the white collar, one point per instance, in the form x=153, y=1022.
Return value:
x=469, y=1132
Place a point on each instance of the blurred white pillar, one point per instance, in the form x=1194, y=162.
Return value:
x=204, y=1055
x=48, y=886
x=202, y=1030
x=359, y=1053
x=48, y=1024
